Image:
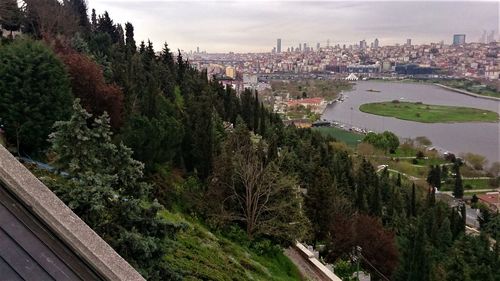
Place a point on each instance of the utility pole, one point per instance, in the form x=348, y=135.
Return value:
x=356, y=256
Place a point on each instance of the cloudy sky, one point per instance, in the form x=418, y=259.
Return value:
x=254, y=26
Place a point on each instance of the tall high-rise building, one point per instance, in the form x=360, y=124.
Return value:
x=328, y=43
x=305, y=47
x=458, y=39
x=408, y=42
x=317, y=46
x=278, y=45
x=197, y=49
x=375, y=43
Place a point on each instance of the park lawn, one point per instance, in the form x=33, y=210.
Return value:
x=470, y=184
x=429, y=113
x=350, y=138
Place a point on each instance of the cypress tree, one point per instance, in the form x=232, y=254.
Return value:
x=458, y=190
x=262, y=122
x=93, y=22
x=129, y=38
x=79, y=7
x=256, y=115
x=10, y=16
x=413, y=201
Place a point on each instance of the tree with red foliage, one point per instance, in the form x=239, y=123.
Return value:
x=377, y=243
x=88, y=84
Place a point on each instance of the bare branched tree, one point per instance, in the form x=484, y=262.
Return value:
x=50, y=17
x=256, y=194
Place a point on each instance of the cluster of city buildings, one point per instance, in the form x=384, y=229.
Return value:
x=460, y=59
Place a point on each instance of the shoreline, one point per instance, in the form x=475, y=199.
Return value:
x=464, y=92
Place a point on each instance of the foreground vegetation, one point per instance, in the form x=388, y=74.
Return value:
x=415, y=111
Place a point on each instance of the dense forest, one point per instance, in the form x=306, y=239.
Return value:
x=134, y=132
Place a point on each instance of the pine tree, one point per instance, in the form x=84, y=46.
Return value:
x=34, y=93
x=106, y=191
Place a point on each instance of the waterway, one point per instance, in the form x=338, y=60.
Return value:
x=476, y=137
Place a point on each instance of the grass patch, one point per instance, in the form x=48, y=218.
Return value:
x=415, y=111
x=470, y=184
x=350, y=138
x=199, y=254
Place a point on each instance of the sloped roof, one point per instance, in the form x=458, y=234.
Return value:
x=42, y=239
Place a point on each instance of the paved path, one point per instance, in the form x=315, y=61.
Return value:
x=306, y=270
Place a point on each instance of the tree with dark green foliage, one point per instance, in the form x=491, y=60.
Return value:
x=93, y=21
x=434, y=176
x=458, y=190
x=319, y=202
x=367, y=191
x=80, y=9
x=105, y=189
x=34, y=93
x=129, y=39
x=10, y=16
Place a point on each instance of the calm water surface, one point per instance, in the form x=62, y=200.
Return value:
x=480, y=138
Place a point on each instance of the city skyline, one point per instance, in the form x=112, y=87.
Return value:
x=230, y=26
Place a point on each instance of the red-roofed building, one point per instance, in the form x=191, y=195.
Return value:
x=314, y=104
x=491, y=199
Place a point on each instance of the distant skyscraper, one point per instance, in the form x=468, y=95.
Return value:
x=362, y=44
x=278, y=45
x=305, y=47
x=375, y=43
x=458, y=39
x=197, y=49
x=317, y=46
x=408, y=42
x=328, y=43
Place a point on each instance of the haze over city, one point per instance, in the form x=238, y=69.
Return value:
x=253, y=26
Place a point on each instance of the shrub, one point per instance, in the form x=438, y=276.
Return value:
x=420, y=154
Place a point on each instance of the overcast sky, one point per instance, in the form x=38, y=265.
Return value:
x=254, y=26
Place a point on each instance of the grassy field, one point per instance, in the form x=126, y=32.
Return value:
x=471, y=184
x=429, y=113
x=202, y=255
x=350, y=138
